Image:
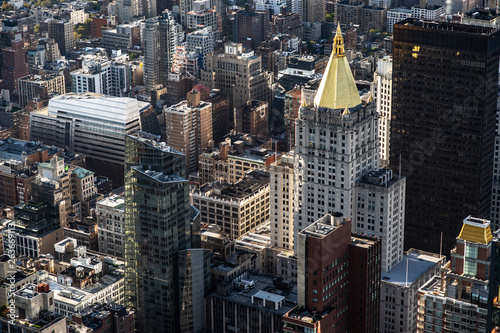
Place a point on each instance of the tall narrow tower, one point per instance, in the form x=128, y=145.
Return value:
x=335, y=144
x=157, y=228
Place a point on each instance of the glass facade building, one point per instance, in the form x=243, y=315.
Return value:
x=445, y=83
x=157, y=227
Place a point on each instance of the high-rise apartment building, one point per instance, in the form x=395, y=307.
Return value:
x=161, y=37
x=381, y=90
x=101, y=75
x=152, y=51
x=313, y=11
x=44, y=87
x=62, y=32
x=251, y=27
x=203, y=15
x=202, y=43
x=252, y=118
x=442, y=134
x=237, y=73
x=93, y=125
x=189, y=128
x=281, y=201
x=14, y=65
x=157, y=228
x=335, y=144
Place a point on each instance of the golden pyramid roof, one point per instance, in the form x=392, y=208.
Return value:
x=476, y=232
x=337, y=89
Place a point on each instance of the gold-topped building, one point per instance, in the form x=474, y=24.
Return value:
x=476, y=230
x=336, y=145
x=338, y=88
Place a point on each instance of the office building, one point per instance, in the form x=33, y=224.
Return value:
x=338, y=280
x=44, y=87
x=99, y=316
x=237, y=73
x=241, y=207
x=281, y=200
x=34, y=310
x=154, y=232
x=252, y=118
x=399, y=291
x=258, y=309
x=37, y=227
x=381, y=90
x=110, y=213
x=194, y=285
x=379, y=212
x=446, y=156
x=335, y=144
x=189, y=128
x=123, y=37
x=463, y=288
x=60, y=124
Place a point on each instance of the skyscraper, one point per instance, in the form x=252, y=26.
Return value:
x=162, y=35
x=157, y=228
x=335, y=144
x=445, y=82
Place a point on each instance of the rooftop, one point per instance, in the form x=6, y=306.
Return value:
x=17, y=149
x=476, y=230
x=324, y=226
x=118, y=110
x=447, y=26
x=115, y=201
x=82, y=173
x=159, y=176
x=246, y=187
x=264, y=287
x=153, y=141
x=418, y=264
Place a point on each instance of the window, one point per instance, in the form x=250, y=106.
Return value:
x=471, y=251
x=470, y=268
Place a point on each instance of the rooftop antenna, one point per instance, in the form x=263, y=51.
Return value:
x=406, y=283
x=441, y=245
x=400, y=166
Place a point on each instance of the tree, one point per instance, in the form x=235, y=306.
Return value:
x=7, y=6
x=37, y=29
x=330, y=17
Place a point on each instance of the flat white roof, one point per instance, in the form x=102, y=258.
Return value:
x=113, y=109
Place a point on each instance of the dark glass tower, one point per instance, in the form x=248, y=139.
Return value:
x=445, y=82
x=157, y=227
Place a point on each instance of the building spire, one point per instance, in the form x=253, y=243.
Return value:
x=338, y=42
